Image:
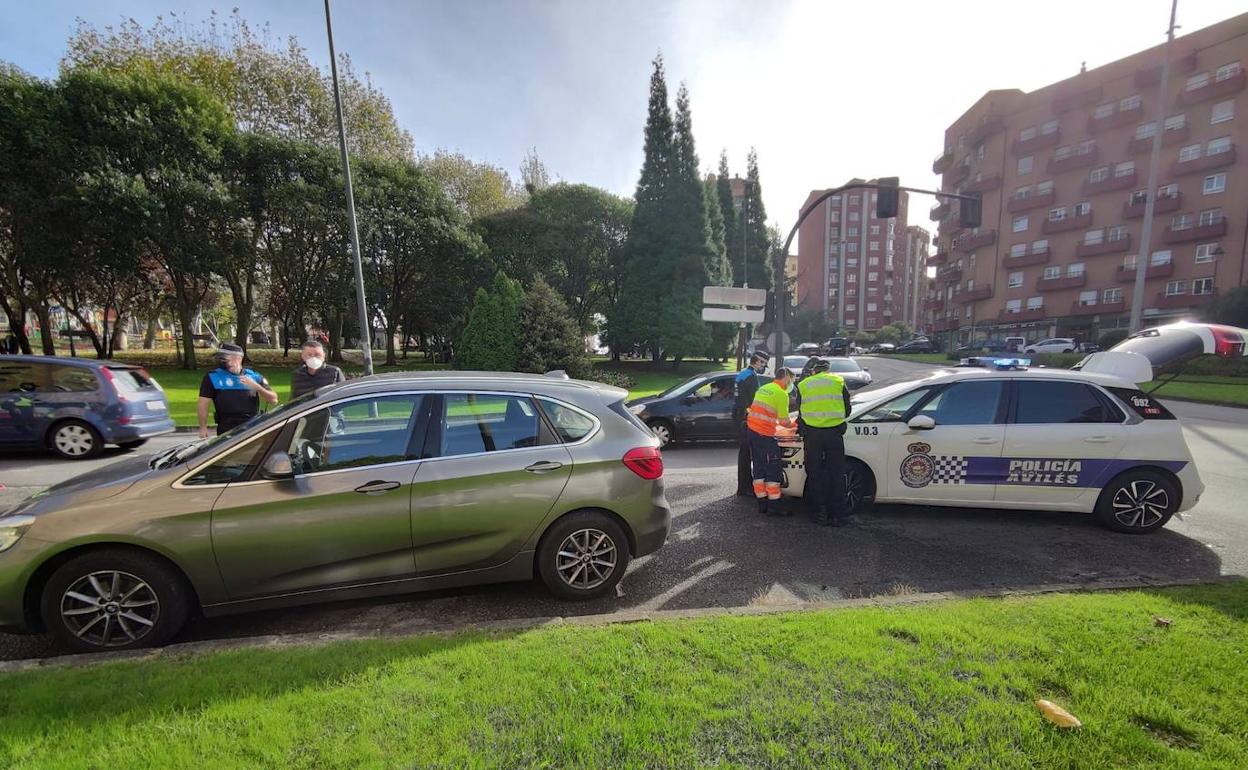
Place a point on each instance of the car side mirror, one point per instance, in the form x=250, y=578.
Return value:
x=921, y=422
x=278, y=466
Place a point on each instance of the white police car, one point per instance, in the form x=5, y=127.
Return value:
x=1010, y=435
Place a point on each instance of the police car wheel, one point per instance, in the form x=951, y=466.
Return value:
x=663, y=431
x=75, y=440
x=859, y=486
x=1137, y=502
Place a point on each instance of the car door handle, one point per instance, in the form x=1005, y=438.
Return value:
x=544, y=466
x=1098, y=439
x=985, y=440
x=377, y=487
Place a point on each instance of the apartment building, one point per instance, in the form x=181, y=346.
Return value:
x=851, y=263
x=914, y=274
x=1063, y=173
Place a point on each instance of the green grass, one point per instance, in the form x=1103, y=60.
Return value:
x=940, y=685
x=926, y=358
x=649, y=379
x=1224, y=390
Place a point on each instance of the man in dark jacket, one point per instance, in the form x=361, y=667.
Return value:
x=314, y=373
x=748, y=380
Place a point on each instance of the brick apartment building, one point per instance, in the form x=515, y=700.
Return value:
x=858, y=269
x=1063, y=172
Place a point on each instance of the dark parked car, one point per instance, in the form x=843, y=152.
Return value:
x=916, y=346
x=807, y=349
x=837, y=346
x=698, y=409
x=74, y=406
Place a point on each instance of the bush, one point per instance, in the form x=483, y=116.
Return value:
x=1111, y=338
x=612, y=377
x=489, y=343
x=549, y=339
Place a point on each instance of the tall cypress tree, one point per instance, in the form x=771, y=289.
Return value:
x=730, y=216
x=718, y=267
x=757, y=240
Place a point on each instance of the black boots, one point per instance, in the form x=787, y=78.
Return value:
x=762, y=505
x=823, y=518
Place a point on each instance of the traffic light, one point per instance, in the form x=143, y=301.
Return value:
x=970, y=211
x=886, y=197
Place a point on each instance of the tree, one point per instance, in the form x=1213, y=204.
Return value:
x=730, y=217
x=490, y=340
x=718, y=268
x=548, y=339
x=478, y=189
x=894, y=333
x=533, y=174
x=1231, y=308
x=755, y=232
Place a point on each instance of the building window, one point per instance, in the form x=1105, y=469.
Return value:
x=979, y=151
x=851, y=278
x=1098, y=174
x=851, y=308
x=1190, y=152
x=1087, y=297
x=1035, y=303
x=1202, y=286
x=1049, y=127
x=875, y=229
x=1086, y=147
x=1040, y=246
x=1219, y=145
x=1104, y=110
x=854, y=200
x=1129, y=262
x=1020, y=224
x=851, y=231
x=1025, y=165
x=1175, y=122
x=1015, y=281
x=966, y=313
x=873, y=277
x=970, y=284
x=1138, y=198
x=1027, y=133
x=1117, y=233
x=1045, y=187
x=1074, y=270
x=1197, y=81
x=1023, y=192
x=1222, y=112
x=1227, y=71
x=873, y=261
x=1168, y=190
x=853, y=216
x=1181, y=222
x=1160, y=258
x=1129, y=103
x=873, y=246
x=1206, y=252
x=851, y=321
x=1093, y=237
x=836, y=232
x=1125, y=169
x=1145, y=130
x=1111, y=296
x=1082, y=209
x=1062, y=153
x=1210, y=217
x=852, y=248
x=1214, y=183
x=1018, y=250
x=851, y=292
x=1057, y=214
x=1052, y=272
x=1175, y=288
x=871, y=307
x=836, y=216
x=1013, y=305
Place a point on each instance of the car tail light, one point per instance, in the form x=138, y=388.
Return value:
x=645, y=461
x=1228, y=342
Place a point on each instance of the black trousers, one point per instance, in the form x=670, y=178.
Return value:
x=745, y=481
x=825, y=468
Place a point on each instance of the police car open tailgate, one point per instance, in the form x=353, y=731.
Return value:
x=1140, y=357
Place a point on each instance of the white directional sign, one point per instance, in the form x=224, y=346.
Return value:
x=733, y=315
x=732, y=295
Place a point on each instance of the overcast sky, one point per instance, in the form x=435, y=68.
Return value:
x=825, y=89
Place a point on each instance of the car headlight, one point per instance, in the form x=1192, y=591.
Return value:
x=12, y=528
x=636, y=408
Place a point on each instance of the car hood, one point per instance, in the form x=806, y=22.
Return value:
x=99, y=484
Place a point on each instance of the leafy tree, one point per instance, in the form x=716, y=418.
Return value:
x=1230, y=308
x=478, y=189
x=730, y=217
x=548, y=338
x=718, y=268
x=533, y=174
x=755, y=232
x=490, y=341
x=894, y=333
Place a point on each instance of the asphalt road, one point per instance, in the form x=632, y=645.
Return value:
x=722, y=554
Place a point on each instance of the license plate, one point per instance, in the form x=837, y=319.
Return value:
x=155, y=406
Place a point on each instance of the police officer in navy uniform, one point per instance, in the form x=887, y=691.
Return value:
x=748, y=381
x=233, y=391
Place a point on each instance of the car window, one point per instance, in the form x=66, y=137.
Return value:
x=1060, y=402
x=844, y=366
x=893, y=409
x=570, y=424
x=129, y=380
x=70, y=379
x=966, y=403
x=352, y=434
x=720, y=389
x=483, y=422
x=232, y=465
x=21, y=377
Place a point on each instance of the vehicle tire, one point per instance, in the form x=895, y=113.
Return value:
x=583, y=556
x=1069, y=350
x=132, y=445
x=663, y=430
x=114, y=599
x=75, y=440
x=859, y=486
x=1138, y=502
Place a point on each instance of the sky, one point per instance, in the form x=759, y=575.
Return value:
x=825, y=90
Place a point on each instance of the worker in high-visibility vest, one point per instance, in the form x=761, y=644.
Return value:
x=768, y=412
x=823, y=407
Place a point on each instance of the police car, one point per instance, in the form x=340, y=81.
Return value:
x=1007, y=434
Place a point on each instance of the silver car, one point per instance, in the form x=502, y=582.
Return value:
x=377, y=486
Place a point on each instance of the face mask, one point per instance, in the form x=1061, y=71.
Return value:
x=315, y=362
x=760, y=368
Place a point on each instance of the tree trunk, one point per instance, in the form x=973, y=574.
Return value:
x=185, y=320
x=89, y=328
x=17, y=323
x=391, y=358
x=656, y=356
x=149, y=338
x=335, y=336
x=46, y=338
x=118, y=339
x=244, y=296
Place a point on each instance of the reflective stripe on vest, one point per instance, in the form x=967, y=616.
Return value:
x=771, y=405
x=823, y=400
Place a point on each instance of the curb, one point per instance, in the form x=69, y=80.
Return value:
x=185, y=649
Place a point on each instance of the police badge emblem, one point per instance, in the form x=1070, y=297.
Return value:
x=918, y=468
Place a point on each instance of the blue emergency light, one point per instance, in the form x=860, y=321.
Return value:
x=996, y=363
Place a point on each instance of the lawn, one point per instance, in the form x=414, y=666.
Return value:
x=649, y=379
x=924, y=358
x=950, y=684
x=1224, y=390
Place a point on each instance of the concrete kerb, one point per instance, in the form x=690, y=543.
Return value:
x=274, y=641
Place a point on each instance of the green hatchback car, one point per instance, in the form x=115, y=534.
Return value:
x=381, y=485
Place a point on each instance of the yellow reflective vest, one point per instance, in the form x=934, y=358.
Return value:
x=770, y=407
x=823, y=400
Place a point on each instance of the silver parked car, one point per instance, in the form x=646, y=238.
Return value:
x=377, y=486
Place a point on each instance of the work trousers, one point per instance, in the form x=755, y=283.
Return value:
x=825, y=468
x=765, y=458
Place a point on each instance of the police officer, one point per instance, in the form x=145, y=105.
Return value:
x=233, y=392
x=823, y=401
x=768, y=412
x=314, y=373
x=747, y=382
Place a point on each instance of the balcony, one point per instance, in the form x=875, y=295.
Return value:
x=934, y=303
x=983, y=184
x=944, y=324
x=1069, y=99
x=1127, y=274
x=957, y=175
x=1151, y=76
x=939, y=258
x=951, y=273
x=1116, y=119
x=1027, y=260
x=991, y=124
x=969, y=243
x=1110, y=183
x=1031, y=314
x=1170, y=301
x=1164, y=204
x=1021, y=147
x=1066, y=224
x=940, y=211
x=1206, y=163
x=1071, y=162
x=1028, y=202
x=943, y=161
x=1116, y=246
x=1205, y=232
x=1064, y=282
x=1218, y=89
x=1097, y=308
x=1169, y=138
x=975, y=295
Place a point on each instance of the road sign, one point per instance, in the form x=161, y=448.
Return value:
x=733, y=315
x=774, y=346
x=732, y=295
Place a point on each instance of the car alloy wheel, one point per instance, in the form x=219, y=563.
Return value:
x=662, y=431
x=110, y=608
x=74, y=440
x=1140, y=504
x=586, y=559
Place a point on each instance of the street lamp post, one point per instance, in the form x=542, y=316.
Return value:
x=366, y=344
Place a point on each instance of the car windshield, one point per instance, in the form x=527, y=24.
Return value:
x=190, y=450
x=795, y=362
x=682, y=387
x=843, y=365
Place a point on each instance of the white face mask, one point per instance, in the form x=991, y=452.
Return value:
x=315, y=362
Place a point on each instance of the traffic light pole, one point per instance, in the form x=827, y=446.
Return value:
x=780, y=257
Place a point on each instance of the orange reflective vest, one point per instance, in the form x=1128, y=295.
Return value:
x=770, y=407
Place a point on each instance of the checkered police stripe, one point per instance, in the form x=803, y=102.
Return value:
x=949, y=469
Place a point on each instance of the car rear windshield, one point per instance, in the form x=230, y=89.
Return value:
x=131, y=380
x=844, y=366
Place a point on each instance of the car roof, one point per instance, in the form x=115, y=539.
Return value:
x=460, y=380
x=94, y=363
x=1031, y=373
